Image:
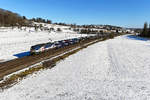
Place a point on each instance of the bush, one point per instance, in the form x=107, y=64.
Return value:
x=59, y=30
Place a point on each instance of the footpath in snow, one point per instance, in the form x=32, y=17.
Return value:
x=116, y=69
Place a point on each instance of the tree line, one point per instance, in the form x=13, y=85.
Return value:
x=8, y=19
x=146, y=30
x=41, y=20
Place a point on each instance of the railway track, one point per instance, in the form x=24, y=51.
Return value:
x=9, y=67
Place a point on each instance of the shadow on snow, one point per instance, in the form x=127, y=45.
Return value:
x=22, y=54
x=133, y=37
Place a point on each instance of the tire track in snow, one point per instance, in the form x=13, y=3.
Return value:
x=127, y=77
x=127, y=62
x=117, y=68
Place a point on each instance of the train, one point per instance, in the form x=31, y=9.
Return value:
x=39, y=48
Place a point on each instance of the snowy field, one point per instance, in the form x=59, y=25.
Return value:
x=14, y=41
x=116, y=69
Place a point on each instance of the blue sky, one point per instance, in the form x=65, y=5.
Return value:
x=126, y=13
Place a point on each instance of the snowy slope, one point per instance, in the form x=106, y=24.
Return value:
x=14, y=41
x=116, y=69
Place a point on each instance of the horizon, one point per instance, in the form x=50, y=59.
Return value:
x=129, y=14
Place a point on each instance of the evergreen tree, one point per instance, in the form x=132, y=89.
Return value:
x=149, y=31
x=24, y=17
x=145, y=30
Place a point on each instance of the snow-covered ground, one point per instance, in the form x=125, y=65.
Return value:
x=116, y=69
x=15, y=41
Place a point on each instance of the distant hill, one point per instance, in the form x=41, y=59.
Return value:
x=8, y=18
